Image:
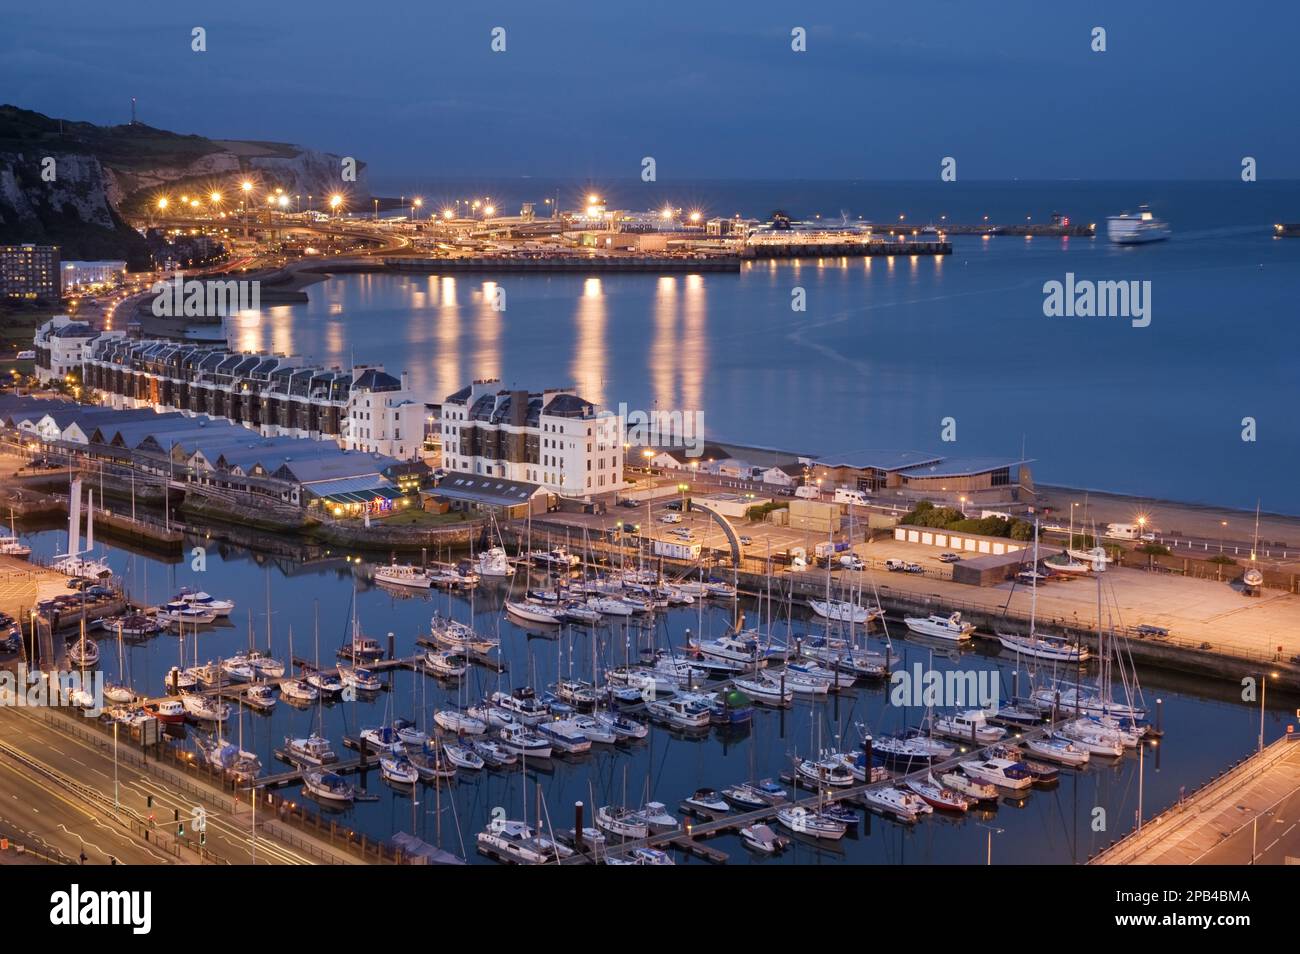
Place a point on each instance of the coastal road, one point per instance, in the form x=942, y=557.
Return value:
x=36, y=802
x=1273, y=836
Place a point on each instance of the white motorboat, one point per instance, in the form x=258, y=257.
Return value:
x=80, y=566
x=260, y=696
x=1067, y=699
x=596, y=731
x=580, y=613
x=313, y=750
x=764, y=840
x=445, y=663
x=203, y=601
x=1000, y=772
x=909, y=751
x=1056, y=648
x=621, y=726
x=681, y=713
x=403, y=574
x=116, y=692
x=362, y=680
x=1126, y=229
x=829, y=770
x=11, y=546
x=658, y=818
x=970, y=788
x=902, y=805
x=969, y=726
x=941, y=627
x=205, y=708
x=328, y=786
x=493, y=562
x=556, y=557
x=493, y=752
x=238, y=669
x=813, y=824
x=265, y=666
x=524, y=741
x=565, y=736
x=458, y=722
x=840, y=611
x=834, y=678
x=514, y=841
x=295, y=690
x=327, y=684
x=836, y=653
x=432, y=764
x=523, y=704
x=709, y=800
x=398, y=769
x=463, y=756
x=577, y=692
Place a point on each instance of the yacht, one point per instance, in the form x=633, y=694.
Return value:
x=313, y=750
x=758, y=795
x=492, y=752
x=565, y=736
x=939, y=796
x=830, y=770
x=1086, y=701
x=621, y=726
x=458, y=722
x=260, y=696
x=1137, y=229
x=909, y=751
x=295, y=690
x=327, y=684
x=1090, y=739
x=535, y=612
x=1000, y=772
x=813, y=824
x=970, y=726
x=445, y=663
x=836, y=653
x=230, y=759
x=765, y=691
x=238, y=669
x=180, y=680
x=363, y=680
x=1064, y=751
x=11, y=546
x=834, y=678
x=609, y=605
x=328, y=786
x=200, y=600
x=680, y=713
x=493, y=562
x=410, y=735
x=83, y=653
x=741, y=648
x=361, y=648
x=178, y=614
x=515, y=841
x=524, y=741
x=493, y=716
x=463, y=756
x=800, y=683
x=403, y=574
x=398, y=770
x=264, y=665
x=523, y=704
x=941, y=627
x=455, y=635
x=839, y=611
x=622, y=822
x=558, y=557
x=972, y=789
x=205, y=708
x=761, y=838
x=902, y=805
x=382, y=738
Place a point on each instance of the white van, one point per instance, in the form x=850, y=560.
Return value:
x=846, y=495
x=808, y=492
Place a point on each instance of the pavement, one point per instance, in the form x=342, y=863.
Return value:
x=1251, y=815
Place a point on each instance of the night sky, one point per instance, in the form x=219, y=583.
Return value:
x=884, y=91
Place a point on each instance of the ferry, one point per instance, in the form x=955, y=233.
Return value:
x=1137, y=229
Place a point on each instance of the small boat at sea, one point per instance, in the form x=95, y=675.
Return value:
x=938, y=796
x=759, y=837
x=839, y=611
x=977, y=791
x=205, y=708
x=403, y=574
x=328, y=787
x=801, y=821
x=902, y=805
x=969, y=726
x=459, y=723
x=941, y=627
x=398, y=769
x=1000, y=772
x=757, y=795
x=622, y=822
x=313, y=750
x=709, y=800
x=524, y=741
x=1126, y=229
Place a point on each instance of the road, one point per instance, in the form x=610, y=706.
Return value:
x=1272, y=837
x=40, y=803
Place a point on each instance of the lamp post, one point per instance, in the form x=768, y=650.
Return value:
x=1263, y=694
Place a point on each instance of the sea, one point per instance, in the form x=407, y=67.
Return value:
x=1194, y=405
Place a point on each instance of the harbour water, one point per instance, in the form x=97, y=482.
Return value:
x=1205, y=731
x=889, y=348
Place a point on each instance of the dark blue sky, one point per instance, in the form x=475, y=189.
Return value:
x=1011, y=89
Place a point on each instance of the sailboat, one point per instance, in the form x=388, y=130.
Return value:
x=1056, y=648
x=10, y=545
x=73, y=563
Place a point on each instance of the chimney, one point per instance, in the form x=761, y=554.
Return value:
x=406, y=380
x=518, y=408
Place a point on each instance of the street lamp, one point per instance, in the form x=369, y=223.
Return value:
x=416, y=204
x=1223, y=532
x=336, y=200
x=1263, y=694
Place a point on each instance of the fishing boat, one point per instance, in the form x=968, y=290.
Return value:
x=445, y=663
x=459, y=723
x=938, y=796
x=328, y=786
x=828, y=770
x=260, y=696
x=168, y=711
x=813, y=824
x=1000, y=772
x=759, y=837
x=681, y=713
x=941, y=627
x=362, y=680
x=398, y=769
x=622, y=822
x=517, y=842
x=709, y=800
x=524, y=741
x=313, y=750
x=840, y=611
x=523, y=704
x=565, y=736
x=969, y=726
x=979, y=792
x=295, y=690
x=203, y=601
x=891, y=800
x=205, y=708
x=463, y=756
x=493, y=562
x=402, y=574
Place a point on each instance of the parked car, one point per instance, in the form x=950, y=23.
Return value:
x=1148, y=630
x=631, y=504
x=902, y=566
x=746, y=541
x=631, y=527
x=674, y=505
x=78, y=582
x=949, y=557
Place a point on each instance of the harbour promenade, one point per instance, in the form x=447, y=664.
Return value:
x=1248, y=815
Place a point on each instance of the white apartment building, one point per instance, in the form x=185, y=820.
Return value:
x=553, y=438
x=62, y=345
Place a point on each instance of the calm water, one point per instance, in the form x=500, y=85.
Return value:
x=888, y=348
x=1203, y=735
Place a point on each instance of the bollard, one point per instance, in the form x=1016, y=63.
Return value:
x=577, y=825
